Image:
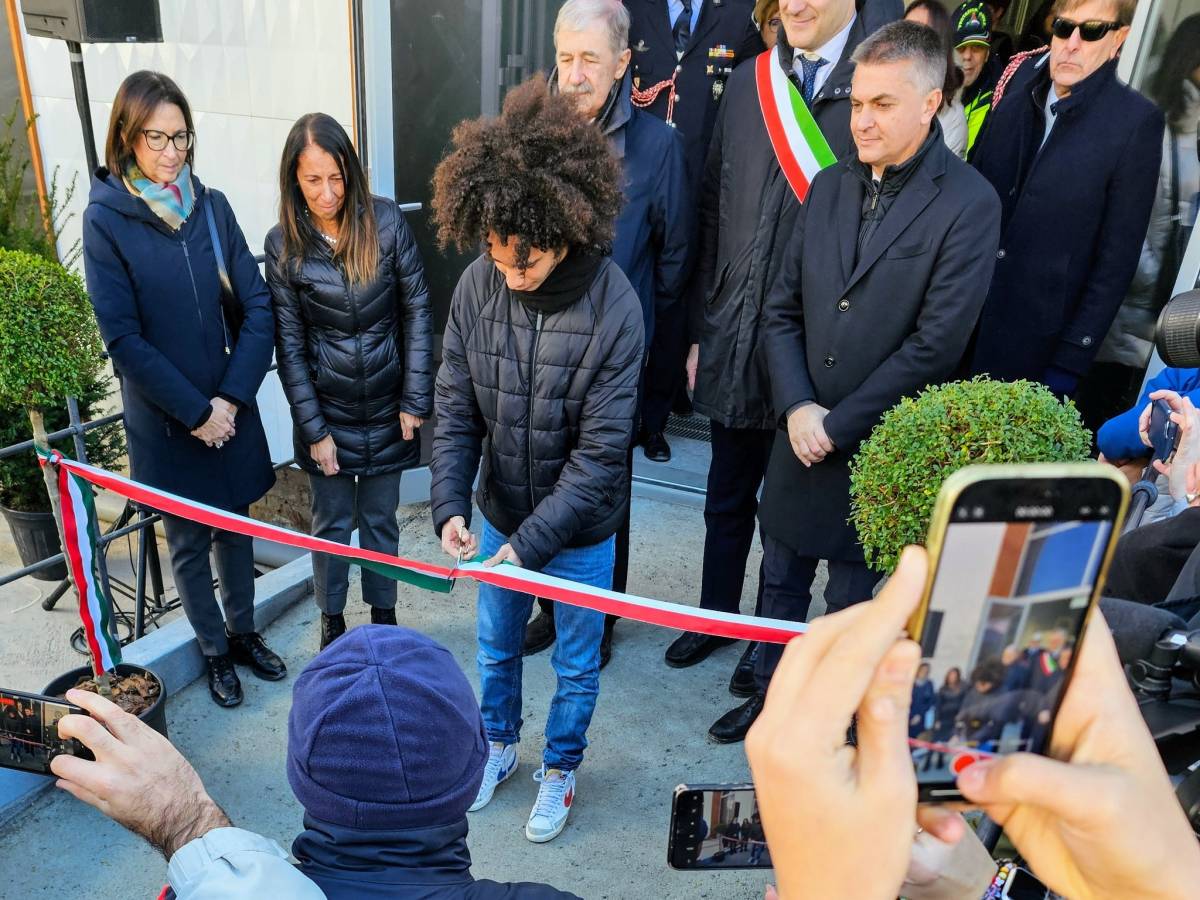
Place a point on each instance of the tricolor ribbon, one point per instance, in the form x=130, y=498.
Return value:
x=800, y=147
x=81, y=531
x=426, y=575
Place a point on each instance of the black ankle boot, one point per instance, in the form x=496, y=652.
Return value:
x=332, y=627
x=223, y=683
x=743, y=683
x=383, y=616
x=732, y=727
x=540, y=633
x=251, y=650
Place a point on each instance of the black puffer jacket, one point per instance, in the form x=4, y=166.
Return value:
x=352, y=358
x=561, y=482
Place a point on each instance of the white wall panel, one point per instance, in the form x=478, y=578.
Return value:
x=249, y=68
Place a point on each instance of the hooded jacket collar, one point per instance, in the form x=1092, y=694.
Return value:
x=333, y=855
x=108, y=190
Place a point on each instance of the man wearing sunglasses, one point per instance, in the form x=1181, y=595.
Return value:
x=1074, y=155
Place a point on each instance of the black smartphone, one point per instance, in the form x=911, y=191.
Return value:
x=716, y=826
x=29, y=731
x=1017, y=560
x=1164, y=434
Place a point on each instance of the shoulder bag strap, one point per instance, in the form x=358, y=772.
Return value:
x=229, y=303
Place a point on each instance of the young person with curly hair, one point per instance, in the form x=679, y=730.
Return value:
x=540, y=364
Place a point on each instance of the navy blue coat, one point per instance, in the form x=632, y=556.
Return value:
x=157, y=301
x=724, y=36
x=1074, y=218
x=657, y=223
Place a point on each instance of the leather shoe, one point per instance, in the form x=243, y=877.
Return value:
x=656, y=448
x=690, y=648
x=332, y=628
x=251, y=650
x=540, y=633
x=383, y=616
x=223, y=683
x=606, y=646
x=742, y=684
x=732, y=727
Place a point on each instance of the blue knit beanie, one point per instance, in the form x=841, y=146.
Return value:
x=385, y=733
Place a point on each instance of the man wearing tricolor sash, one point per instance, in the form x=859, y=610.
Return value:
x=782, y=116
x=881, y=284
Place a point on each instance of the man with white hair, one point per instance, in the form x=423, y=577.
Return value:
x=874, y=302
x=656, y=226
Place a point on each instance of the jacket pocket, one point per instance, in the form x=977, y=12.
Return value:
x=905, y=251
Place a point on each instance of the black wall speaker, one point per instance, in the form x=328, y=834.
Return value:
x=94, y=21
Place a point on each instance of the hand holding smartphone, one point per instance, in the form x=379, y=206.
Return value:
x=29, y=736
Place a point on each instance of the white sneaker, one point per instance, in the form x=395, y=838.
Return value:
x=501, y=764
x=554, y=799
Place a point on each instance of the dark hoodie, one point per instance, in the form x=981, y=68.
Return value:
x=157, y=302
x=414, y=864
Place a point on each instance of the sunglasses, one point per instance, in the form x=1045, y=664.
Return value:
x=1088, y=31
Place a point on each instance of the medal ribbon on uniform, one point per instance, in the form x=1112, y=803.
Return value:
x=799, y=145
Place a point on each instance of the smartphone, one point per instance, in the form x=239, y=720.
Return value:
x=1164, y=434
x=29, y=731
x=716, y=826
x=1018, y=555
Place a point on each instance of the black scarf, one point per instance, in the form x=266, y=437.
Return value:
x=566, y=284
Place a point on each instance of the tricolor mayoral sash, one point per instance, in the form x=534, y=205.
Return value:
x=800, y=148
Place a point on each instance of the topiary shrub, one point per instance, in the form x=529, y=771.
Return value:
x=897, y=473
x=49, y=345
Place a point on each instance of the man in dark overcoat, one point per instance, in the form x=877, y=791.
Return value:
x=1074, y=155
x=879, y=290
x=747, y=209
x=683, y=51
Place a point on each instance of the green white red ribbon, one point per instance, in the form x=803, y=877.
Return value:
x=441, y=578
x=800, y=147
x=81, y=531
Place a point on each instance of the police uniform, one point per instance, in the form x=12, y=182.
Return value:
x=684, y=91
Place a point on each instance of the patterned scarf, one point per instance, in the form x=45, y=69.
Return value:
x=172, y=202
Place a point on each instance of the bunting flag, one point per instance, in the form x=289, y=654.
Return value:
x=81, y=531
x=433, y=577
x=796, y=138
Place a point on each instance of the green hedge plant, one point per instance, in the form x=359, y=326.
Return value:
x=897, y=473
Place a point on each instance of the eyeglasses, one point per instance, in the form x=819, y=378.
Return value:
x=1088, y=31
x=157, y=140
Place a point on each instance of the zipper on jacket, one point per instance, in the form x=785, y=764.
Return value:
x=537, y=334
x=358, y=358
x=192, y=277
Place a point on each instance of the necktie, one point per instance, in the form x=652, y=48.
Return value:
x=682, y=31
x=809, y=69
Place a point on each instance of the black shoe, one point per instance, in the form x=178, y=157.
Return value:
x=656, y=448
x=732, y=727
x=251, y=650
x=691, y=648
x=606, y=646
x=540, y=634
x=223, y=683
x=381, y=616
x=742, y=684
x=332, y=628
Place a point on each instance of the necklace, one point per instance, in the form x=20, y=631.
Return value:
x=329, y=239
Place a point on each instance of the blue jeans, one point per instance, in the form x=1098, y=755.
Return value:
x=576, y=659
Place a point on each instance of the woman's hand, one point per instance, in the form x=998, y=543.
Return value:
x=409, y=425
x=840, y=820
x=219, y=427
x=504, y=554
x=1144, y=419
x=1187, y=447
x=692, y=366
x=457, y=540
x=324, y=454
x=1105, y=822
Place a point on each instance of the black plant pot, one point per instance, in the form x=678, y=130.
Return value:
x=155, y=716
x=36, y=537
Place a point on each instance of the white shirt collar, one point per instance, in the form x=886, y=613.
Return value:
x=831, y=50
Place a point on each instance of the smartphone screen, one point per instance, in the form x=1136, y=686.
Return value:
x=29, y=732
x=717, y=827
x=1016, y=575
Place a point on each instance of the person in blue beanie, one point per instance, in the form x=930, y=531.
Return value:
x=386, y=751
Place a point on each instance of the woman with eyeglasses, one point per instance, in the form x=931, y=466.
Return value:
x=766, y=19
x=187, y=320
x=354, y=340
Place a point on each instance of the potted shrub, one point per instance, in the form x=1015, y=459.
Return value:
x=50, y=349
x=897, y=473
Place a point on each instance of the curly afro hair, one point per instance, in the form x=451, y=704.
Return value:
x=540, y=172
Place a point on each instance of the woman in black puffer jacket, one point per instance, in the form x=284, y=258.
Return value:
x=353, y=342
